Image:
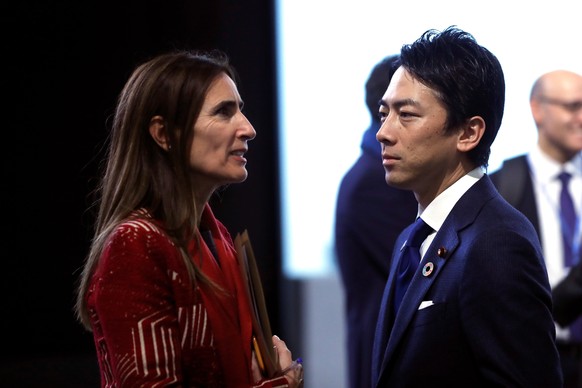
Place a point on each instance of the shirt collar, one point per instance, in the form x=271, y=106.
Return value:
x=547, y=169
x=438, y=210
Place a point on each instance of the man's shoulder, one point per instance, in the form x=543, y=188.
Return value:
x=516, y=164
x=511, y=179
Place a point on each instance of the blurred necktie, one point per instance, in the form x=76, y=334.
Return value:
x=409, y=259
x=568, y=220
x=568, y=223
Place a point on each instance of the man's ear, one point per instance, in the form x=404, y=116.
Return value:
x=159, y=132
x=471, y=134
x=536, y=110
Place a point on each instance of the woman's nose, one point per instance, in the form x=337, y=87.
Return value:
x=248, y=130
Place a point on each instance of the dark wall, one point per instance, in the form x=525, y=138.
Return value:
x=64, y=64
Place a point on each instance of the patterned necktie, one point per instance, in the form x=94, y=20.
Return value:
x=409, y=259
x=567, y=220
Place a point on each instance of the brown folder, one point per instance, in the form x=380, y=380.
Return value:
x=262, y=335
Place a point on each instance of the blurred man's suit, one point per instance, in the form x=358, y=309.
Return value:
x=370, y=215
x=515, y=184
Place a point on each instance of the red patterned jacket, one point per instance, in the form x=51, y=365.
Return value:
x=152, y=328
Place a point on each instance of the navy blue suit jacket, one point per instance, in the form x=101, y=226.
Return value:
x=490, y=323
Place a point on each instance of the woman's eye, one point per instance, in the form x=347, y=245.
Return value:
x=222, y=111
x=225, y=110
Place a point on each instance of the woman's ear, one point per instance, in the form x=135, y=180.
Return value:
x=471, y=135
x=159, y=132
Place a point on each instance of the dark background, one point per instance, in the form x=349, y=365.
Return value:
x=63, y=65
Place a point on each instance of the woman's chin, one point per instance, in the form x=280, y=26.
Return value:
x=240, y=177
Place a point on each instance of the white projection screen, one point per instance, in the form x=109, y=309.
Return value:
x=326, y=50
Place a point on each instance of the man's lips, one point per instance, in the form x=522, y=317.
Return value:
x=388, y=159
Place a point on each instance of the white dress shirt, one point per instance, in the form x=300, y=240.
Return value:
x=547, y=189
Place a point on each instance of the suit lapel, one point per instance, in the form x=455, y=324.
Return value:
x=419, y=286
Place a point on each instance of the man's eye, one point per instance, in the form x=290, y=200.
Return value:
x=573, y=106
x=382, y=116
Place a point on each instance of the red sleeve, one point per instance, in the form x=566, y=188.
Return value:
x=136, y=323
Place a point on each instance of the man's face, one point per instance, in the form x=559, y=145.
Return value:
x=558, y=116
x=417, y=154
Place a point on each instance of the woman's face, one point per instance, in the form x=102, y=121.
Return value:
x=221, y=136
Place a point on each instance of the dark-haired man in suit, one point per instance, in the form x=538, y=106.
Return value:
x=477, y=310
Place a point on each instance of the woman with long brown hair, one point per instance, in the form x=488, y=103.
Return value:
x=161, y=290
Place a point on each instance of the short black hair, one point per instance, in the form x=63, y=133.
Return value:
x=467, y=78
